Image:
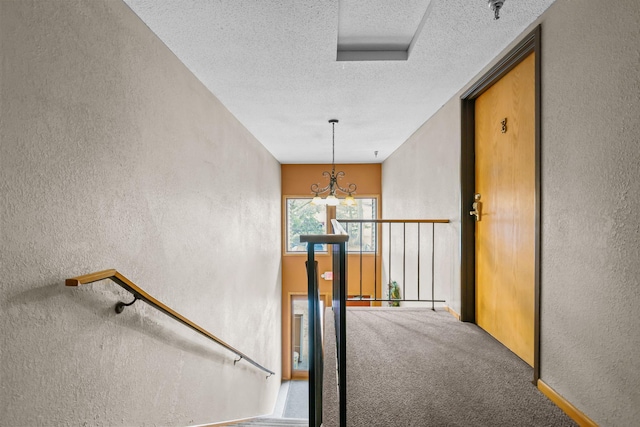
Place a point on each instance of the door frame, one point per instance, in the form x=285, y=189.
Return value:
x=325, y=297
x=530, y=44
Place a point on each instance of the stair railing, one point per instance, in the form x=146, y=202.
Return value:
x=140, y=294
x=316, y=362
x=355, y=248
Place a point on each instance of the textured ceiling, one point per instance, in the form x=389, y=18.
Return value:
x=273, y=64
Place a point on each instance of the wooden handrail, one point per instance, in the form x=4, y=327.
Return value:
x=140, y=294
x=394, y=221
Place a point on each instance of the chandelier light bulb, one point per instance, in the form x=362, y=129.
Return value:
x=332, y=200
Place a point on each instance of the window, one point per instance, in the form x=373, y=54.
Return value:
x=304, y=218
x=365, y=233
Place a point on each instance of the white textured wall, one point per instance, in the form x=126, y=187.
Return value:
x=421, y=180
x=591, y=205
x=590, y=278
x=114, y=156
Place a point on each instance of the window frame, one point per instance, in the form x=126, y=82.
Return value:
x=376, y=199
x=330, y=212
x=285, y=240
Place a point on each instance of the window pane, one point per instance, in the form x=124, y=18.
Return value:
x=365, y=208
x=304, y=218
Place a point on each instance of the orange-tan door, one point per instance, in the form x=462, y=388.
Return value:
x=505, y=233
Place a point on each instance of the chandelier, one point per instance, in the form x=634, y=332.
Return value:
x=333, y=187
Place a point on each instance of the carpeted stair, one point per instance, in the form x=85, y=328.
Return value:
x=274, y=422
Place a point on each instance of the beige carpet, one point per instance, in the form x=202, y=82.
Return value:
x=416, y=367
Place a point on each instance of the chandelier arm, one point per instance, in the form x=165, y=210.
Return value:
x=315, y=188
x=351, y=188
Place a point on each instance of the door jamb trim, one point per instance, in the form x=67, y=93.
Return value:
x=530, y=44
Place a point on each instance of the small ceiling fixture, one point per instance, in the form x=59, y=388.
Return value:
x=333, y=185
x=496, y=5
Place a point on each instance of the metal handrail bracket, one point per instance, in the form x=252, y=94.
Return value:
x=140, y=294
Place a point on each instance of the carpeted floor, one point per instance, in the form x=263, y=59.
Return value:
x=297, y=403
x=416, y=367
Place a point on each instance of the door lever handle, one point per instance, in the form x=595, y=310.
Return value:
x=476, y=207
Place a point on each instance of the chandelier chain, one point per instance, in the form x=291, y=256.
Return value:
x=333, y=147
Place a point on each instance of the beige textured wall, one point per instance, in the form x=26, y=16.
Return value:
x=590, y=330
x=421, y=180
x=591, y=200
x=113, y=155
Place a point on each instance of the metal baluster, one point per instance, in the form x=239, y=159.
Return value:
x=342, y=334
x=389, y=281
x=375, y=263
x=360, y=261
x=418, y=261
x=404, y=257
x=433, y=257
x=312, y=308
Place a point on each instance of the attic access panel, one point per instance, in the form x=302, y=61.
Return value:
x=380, y=30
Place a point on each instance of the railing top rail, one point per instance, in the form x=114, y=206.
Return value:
x=337, y=227
x=140, y=294
x=437, y=221
x=324, y=238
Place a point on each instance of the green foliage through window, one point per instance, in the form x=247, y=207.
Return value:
x=304, y=218
x=360, y=234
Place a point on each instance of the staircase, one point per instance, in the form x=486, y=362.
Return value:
x=275, y=422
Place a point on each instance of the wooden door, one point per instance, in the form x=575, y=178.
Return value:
x=505, y=234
